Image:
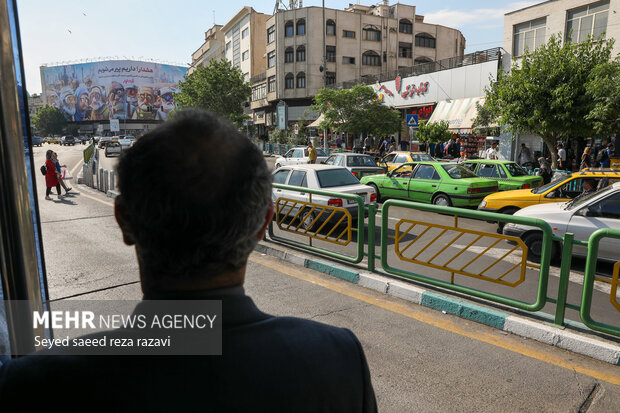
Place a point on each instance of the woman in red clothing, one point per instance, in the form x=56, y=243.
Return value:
x=51, y=179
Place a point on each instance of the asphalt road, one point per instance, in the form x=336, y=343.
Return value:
x=420, y=359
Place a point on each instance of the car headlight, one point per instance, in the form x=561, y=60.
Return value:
x=482, y=204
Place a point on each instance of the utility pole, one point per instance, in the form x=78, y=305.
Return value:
x=324, y=74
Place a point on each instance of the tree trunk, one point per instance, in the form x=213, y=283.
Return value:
x=550, y=142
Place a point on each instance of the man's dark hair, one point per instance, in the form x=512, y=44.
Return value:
x=196, y=193
x=591, y=182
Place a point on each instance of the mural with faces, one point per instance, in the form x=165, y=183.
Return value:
x=116, y=89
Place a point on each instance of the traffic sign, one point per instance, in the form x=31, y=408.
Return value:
x=412, y=120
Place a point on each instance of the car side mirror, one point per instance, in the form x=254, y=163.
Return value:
x=390, y=173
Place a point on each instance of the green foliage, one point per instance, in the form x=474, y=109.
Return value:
x=49, y=121
x=604, y=88
x=545, y=92
x=434, y=132
x=279, y=136
x=72, y=129
x=355, y=111
x=219, y=88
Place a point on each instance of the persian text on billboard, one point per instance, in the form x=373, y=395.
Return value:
x=115, y=89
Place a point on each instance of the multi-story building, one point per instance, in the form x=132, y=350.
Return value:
x=211, y=49
x=531, y=27
x=35, y=102
x=360, y=41
x=575, y=20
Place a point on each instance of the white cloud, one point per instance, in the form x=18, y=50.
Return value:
x=488, y=17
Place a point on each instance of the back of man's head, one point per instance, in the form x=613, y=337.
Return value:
x=195, y=194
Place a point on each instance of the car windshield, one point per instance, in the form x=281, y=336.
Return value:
x=360, y=161
x=582, y=200
x=458, y=172
x=320, y=152
x=330, y=178
x=415, y=157
x=544, y=188
x=515, y=170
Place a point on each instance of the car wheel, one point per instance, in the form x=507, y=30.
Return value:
x=307, y=218
x=442, y=200
x=534, y=243
x=507, y=211
x=374, y=186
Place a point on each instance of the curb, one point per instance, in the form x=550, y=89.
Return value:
x=577, y=343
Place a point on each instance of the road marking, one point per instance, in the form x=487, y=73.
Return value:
x=554, y=356
x=111, y=204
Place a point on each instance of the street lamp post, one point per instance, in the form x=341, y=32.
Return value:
x=324, y=73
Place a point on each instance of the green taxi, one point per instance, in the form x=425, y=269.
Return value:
x=509, y=175
x=439, y=183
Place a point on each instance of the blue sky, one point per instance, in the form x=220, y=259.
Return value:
x=56, y=31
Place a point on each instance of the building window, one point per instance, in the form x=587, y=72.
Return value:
x=245, y=33
x=330, y=78
x=528, y=36
x=289, y=81
x=425, y=40
x=371, y=58
x=348, y=60
x=271, y=34
x=372, y=34
x=271, y=59
x=301, y=80
x=271, y=84
x=259, y=92
x=330, y=53
x=405, y=50
x=301, y=54
x=330, y=28
x=245, y=56
x=405, y=26
x=588, y=20
x=227, y=46
x=301, y=27
x=289, y=29
x=289, y=55
x=422, y=60
x=348, y=33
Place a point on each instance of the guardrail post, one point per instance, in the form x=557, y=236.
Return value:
x=567, y=252
x=100, y=180
x=112, y=180
x=372, y=211
x=106, y=183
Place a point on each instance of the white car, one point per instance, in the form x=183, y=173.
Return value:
x=299, y=156
x=359, y=164
x=113, y=148
x=581, y=216
x=126, y=142
x=325, y=177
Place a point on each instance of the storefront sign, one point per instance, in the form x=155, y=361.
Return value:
x=423, y=112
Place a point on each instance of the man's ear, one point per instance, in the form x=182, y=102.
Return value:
x=120, y=213
x=268, y=218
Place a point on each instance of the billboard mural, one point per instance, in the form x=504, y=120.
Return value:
x=113, y=89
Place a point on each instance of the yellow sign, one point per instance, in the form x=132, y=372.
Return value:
x=88, y=152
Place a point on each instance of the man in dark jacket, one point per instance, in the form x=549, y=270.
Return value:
x=190, y=246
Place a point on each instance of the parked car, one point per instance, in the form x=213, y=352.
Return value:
x=299, y=156
x=509, y=175
x=53, y=139
x=67, y=140
x=112, y=148
x=37, y=141
x=582, y=216
x=360, y=165
x=435, y=182
x=317, y=176
x=394, y=159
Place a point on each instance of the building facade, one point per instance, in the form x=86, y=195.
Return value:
x=211, y=49
x=361, y=41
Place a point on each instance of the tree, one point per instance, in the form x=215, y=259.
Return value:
x=434, y=132
x=219, y=88
x=604, y=88
x=356, y=110
x=49, y=121
x=545, y=92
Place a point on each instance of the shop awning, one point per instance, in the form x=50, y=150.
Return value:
x=459, y=113
x=316, y=123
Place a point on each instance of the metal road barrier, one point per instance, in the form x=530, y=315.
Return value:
x=316, y=221
x=474, y=259
x=590, y=277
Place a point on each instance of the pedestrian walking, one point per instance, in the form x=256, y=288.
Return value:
x=383, y=146
x=561, y=156
x=367, y=144
x=492, y=152
x=602, y=158
x=586, y=160
x=544, y=170
x=391, y=146
x=525, y=155
x=59, y=167
x=311, y=153
x=51, y=177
